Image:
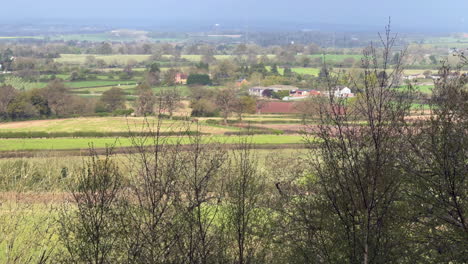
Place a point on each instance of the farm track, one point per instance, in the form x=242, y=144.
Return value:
x=128, y=150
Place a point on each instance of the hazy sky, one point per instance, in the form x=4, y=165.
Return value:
x=450, y=15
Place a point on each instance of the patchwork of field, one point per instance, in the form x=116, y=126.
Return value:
x=103, y=124
x=118, y=59
x=79, y=133
x=129, y=89
x=125, y=58
x=87, y=84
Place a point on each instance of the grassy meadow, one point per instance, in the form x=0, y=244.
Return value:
x=100, y=124
x=48, y=144
x=125, y=58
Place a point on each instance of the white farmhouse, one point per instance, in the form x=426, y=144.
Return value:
x=343, y=92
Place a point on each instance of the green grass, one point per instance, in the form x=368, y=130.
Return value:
x=109, y=59
x=124, y=58
x=336, y=57
x=84, y=143
x=83, y=124
x=101, y=89
x=426, y=89
x=419, y=106
x=308, y=71
x=66, y=77
x=100, y=124
x=87, y=84
x=97, y=83
x=27, y=230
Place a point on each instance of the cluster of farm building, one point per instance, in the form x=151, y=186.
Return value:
x=298, y=94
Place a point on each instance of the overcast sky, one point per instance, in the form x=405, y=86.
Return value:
x=450, y=15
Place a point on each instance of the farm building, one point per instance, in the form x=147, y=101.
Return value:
x=181, y=78
x=301, y=94
x=241, y=82
x=343, y=92
x=415, y=77
x=262, y=91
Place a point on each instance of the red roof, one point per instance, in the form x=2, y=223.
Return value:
x=314, y=92
x=277, y=108
x=182, y=75
x=288, y=108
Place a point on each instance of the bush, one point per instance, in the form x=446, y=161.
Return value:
x=123, y=112
x=198, y=79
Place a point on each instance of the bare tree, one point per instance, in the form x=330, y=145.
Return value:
x=146, y=100
x=200, y=201
x=436, y=163
x=357, y=165
x=243, y=198
x=91, y=233
x=308, y=108
x=26, y=235
x=151, y=223
x=225, y=100
x=8, y=95
x=245, y=105
x=58, y=97
x=169, y=101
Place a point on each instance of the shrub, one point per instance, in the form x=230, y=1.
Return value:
x=198, y=79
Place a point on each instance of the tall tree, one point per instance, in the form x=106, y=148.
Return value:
x=245, y=105
x=90, y=231
x=437, y=168
x=169, y=101
x=146, y=100
x=169, y=77
x=357, y=168
x=113, y=99
x=243, y=198
x=153, y=76
x=225, y=100
x=8, y=95
x=58, y=98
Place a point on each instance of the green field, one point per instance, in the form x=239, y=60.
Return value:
x=309, y=71
x=123, y=59
x=101, y=124
x=426, y=89
x=87, y=84
x=101, y=89
x=109, y=59
x=336, y=57
x=84, y=143
x=81, y=84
